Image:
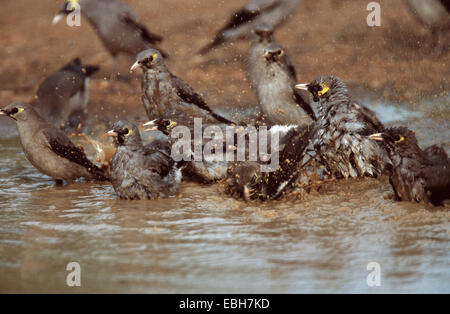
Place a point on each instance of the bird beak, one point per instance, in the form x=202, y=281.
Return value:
x=58, y=17
x=111, y=133
x=302, y=86
x=267, y=54
x=150, y=126
x=377, y=137
x=135, y=66
x=3, y=112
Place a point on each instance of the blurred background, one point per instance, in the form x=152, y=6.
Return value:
x=321, y=37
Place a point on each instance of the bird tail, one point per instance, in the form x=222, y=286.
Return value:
x=217, y=41
x=98, y=174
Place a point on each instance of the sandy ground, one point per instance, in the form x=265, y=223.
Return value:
x=322, y=37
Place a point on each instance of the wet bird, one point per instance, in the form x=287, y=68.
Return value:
x=273, y=77
x=48, y=149
x=63, y=96
x=138, y=171
x=417, y=175
x=435, y=15
x=166, y=96
x=117, y=25
x=343, y=124
x=244, y=20
x=247, y=179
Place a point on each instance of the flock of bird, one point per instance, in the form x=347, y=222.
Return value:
x=341, y=139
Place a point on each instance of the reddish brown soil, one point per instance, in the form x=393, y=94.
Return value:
x=322, y=37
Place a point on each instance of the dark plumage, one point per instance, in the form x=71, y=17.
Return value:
x=138, y=171
x=48, y=149
x=63, y=96
x=273, y=77
x=342, y=128
x=166, y=96
x=244, y=20
x=417, y=175
x=117, y=25
x=247, y=180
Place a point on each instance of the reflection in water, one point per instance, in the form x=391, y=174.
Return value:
x=202, y=241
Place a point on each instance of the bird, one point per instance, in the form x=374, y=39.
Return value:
x=341, y=131
x=273, y=77
x=417, y=175
x=435, y=15
x=62, y=97
x=117, y=25
x=166, y=96
x=49, y=149
x=140, y=171
x=249, y=181
x=242, y=21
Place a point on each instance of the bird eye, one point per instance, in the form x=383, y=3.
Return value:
x=280, y=52
x=128, y=132
x=14, y=111
x=323, y=89
x=399, y=139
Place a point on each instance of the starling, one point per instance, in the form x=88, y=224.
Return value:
x=243, y=21
x=435, y=15
x=48, y=149
x=341, y=131
x=138, y=171
x=63, y=96
x=417, y=175
x=247, y=180
x=273, y=77
x=117, y=25
x=166, y=96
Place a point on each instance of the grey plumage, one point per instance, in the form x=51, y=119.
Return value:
x=166, y=96
x=273, y=77
x=244, y=20
x=341, y=131
x=48, y=149
x=117, y=25
x=63, y=96
x=138, y=171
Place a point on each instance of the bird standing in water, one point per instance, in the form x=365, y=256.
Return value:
x=417, y=175
x=48, y=149
x=138, y=171
x=342, y=127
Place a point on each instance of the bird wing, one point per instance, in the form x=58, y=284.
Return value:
x=131, y=20
x=242, y=16
x=188, y=95
x=61, y=145
x=157, y=161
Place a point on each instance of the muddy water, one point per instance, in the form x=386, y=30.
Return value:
x=204, y=242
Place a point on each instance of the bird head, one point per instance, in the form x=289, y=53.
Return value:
x=273, y=53
x=125, y=133
x=148, y=59
x=68, y=7
x=18, y=111
x=325, y=87
x=263, y=33
x=397, y=139
x=163, y=125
